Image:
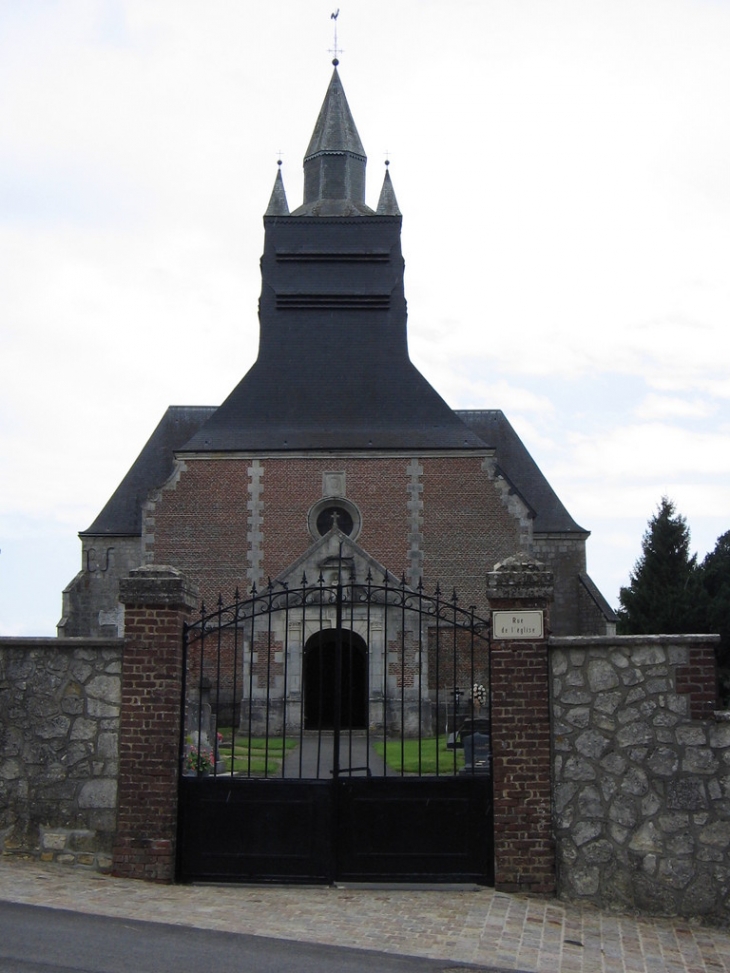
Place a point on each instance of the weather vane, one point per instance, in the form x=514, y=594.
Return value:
x=335, y=50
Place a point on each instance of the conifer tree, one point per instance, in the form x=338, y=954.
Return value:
x=715, y=574
x=664, y=595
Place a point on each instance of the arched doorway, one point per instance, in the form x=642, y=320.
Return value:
x=319, y=681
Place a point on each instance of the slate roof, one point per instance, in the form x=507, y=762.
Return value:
x=350, y=405
x=593, y=591
x=122, y=514
x=521, y=470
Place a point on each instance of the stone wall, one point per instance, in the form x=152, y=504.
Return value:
x=641, y=762
x=641, y=774
x=59, y=748
x=91, y=606
x=565, y=556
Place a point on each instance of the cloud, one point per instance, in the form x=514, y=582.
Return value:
x=657, y=407
x=649, y=451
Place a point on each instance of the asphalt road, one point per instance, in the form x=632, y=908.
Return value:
x=34, y=939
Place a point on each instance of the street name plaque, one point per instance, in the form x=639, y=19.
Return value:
x=517, y=625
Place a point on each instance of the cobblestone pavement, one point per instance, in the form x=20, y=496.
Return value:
x=475, y=926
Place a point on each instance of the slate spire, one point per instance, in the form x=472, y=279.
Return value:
x=278, y=205
x=388, y=204
x=334, y=163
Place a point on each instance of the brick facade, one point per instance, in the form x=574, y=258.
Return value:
x=452, y=533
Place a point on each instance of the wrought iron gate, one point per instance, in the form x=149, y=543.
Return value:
x=336, y=732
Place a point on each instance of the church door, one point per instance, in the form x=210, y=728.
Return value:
x=320, y=690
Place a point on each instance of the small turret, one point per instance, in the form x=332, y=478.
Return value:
x=278, y=205
x=387, y=204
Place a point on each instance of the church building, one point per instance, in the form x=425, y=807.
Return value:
x=333, y=449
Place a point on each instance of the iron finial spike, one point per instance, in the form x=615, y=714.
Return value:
x=304, y=579
x=220, y=599
x=237, y=596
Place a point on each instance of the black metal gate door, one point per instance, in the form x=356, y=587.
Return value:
x=336, y=732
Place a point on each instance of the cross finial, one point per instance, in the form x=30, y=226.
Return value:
x=335, y=50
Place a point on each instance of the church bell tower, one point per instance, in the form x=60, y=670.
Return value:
x=333, y=369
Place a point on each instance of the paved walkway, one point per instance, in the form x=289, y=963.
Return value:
x=474, y=926
x=314, y=758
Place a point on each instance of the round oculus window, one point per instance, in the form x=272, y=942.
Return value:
x=334, y=512
x=334, y=517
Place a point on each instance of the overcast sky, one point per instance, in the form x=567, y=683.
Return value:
x=563, y=169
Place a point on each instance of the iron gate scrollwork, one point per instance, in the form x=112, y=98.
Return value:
x=336, y=731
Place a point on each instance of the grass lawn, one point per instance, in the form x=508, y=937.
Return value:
x=419, y=756
x=252, y=756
